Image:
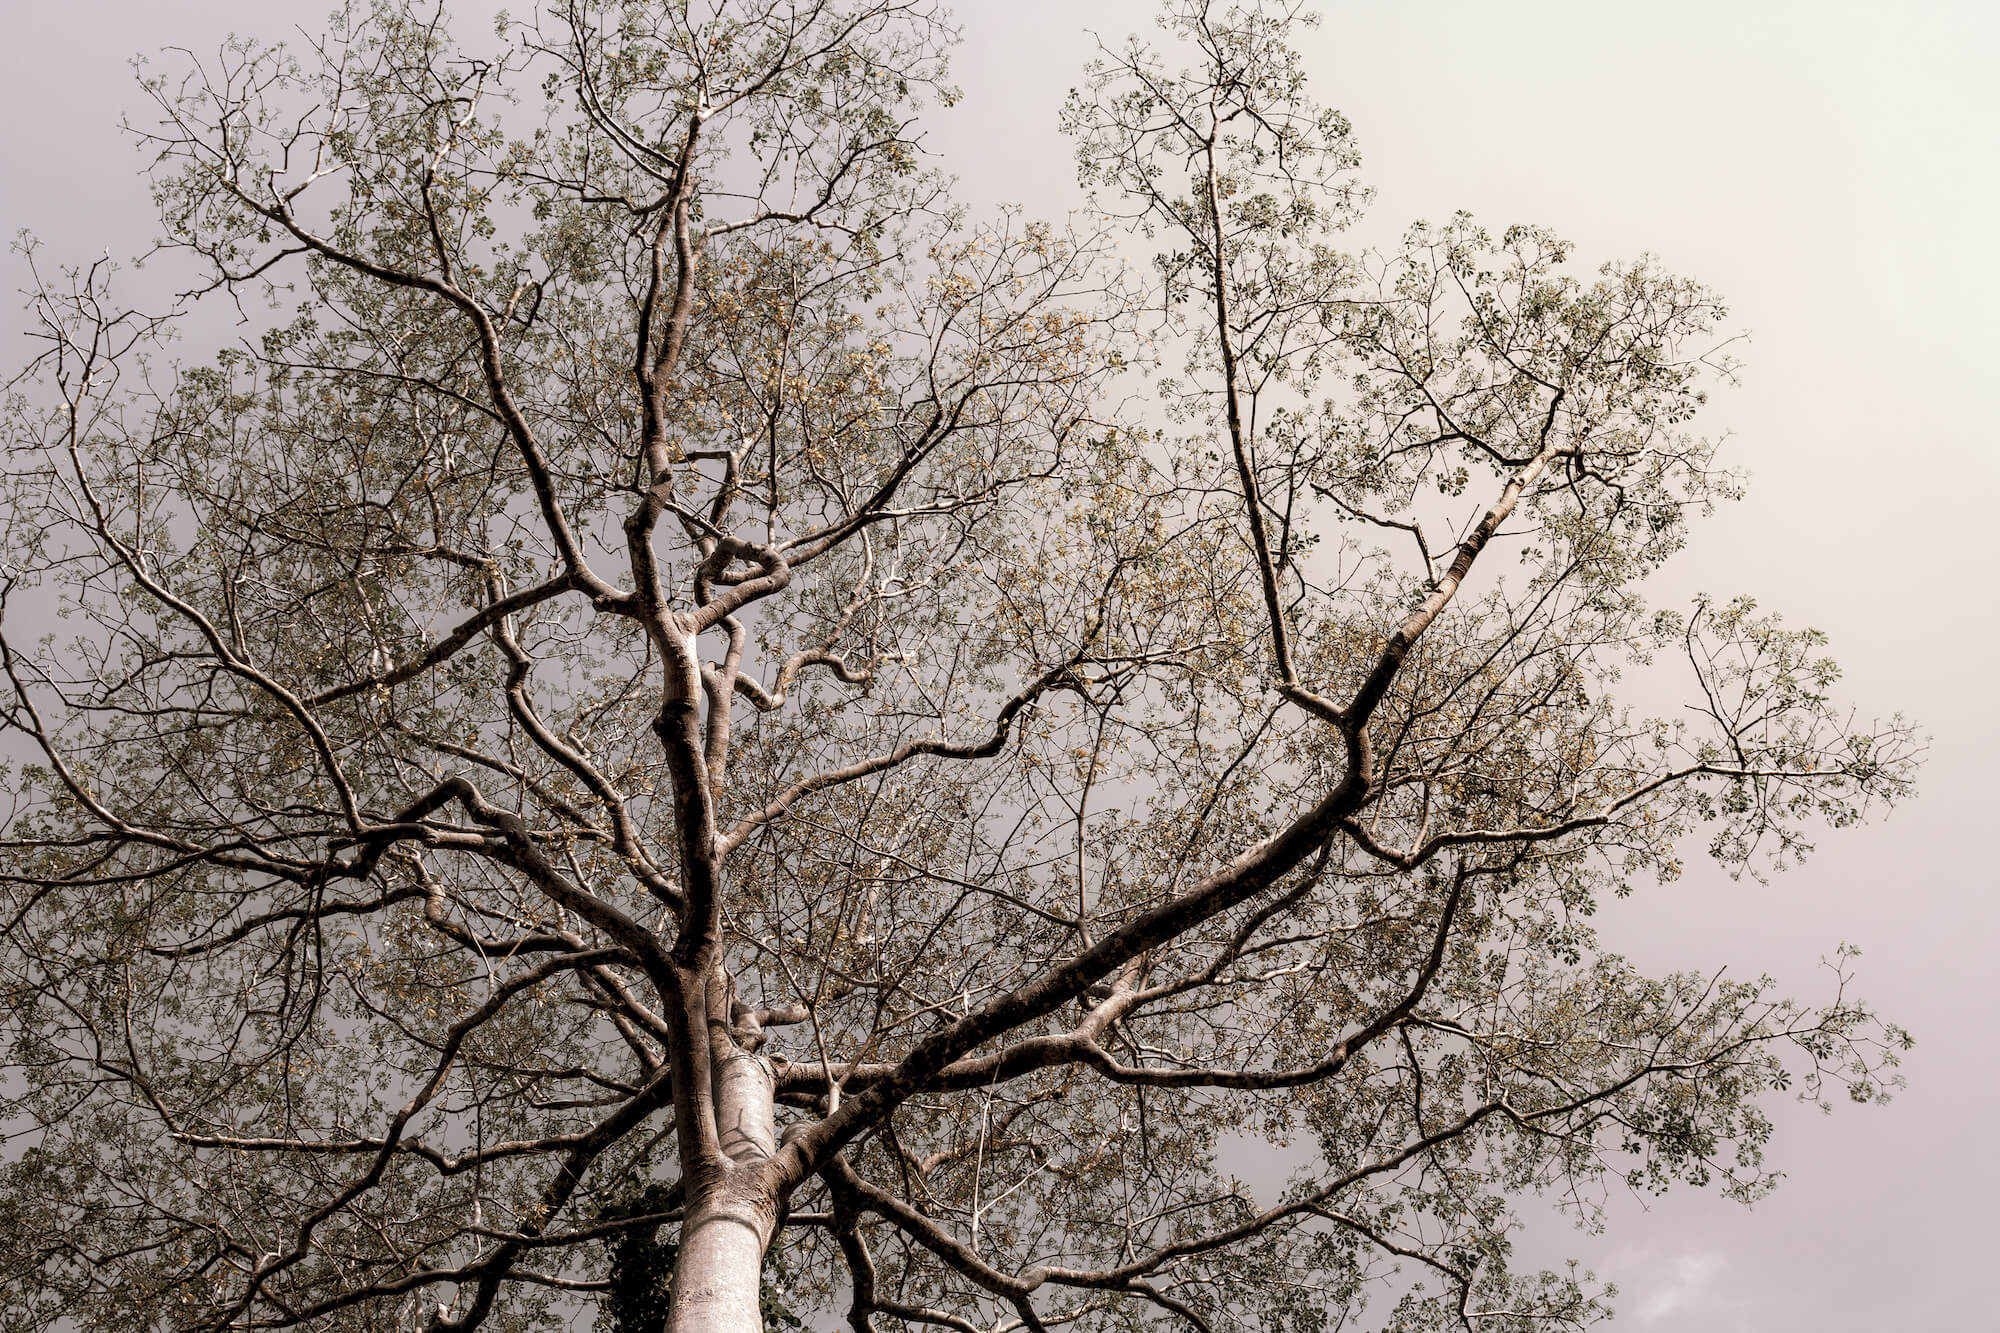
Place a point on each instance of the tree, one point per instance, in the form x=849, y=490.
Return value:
x=674, y=712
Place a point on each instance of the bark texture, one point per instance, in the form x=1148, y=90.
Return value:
x=731, y=1211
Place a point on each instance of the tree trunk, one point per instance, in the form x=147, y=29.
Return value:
x=718, y=1274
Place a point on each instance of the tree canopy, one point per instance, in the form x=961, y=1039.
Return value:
x=690, y=728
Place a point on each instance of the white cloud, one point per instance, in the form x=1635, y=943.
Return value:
x=1689, y=1288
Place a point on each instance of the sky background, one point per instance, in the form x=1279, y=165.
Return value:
x=1834, y=170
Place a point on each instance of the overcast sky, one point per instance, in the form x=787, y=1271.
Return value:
x=1833, y=169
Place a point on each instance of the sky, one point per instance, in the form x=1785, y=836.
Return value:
x=1834, y=170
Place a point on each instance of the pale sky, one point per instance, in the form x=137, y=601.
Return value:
x=1834, y=170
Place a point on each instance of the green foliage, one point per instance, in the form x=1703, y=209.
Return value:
x=641, y=1264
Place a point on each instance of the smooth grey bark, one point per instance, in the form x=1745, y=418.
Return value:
x=731, y=1215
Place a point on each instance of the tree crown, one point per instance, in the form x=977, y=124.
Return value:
x=683, y=700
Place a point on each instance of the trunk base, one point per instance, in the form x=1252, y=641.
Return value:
x=719, y=1275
